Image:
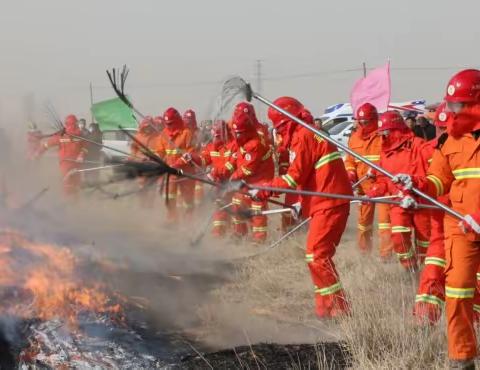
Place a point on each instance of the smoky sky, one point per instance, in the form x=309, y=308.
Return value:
x=179, y=51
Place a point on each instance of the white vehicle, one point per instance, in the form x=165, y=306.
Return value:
x=117, y=140
x=342, y=131
x=338, y=119
x=343, y=112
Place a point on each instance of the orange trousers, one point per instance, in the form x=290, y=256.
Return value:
x=71, y=183
x=220, y=223
x=258, y=224
x=180, y=192
x=430, y=296
x=324, y=234
x=404, y=224
x=463, y=262
x=366, y=214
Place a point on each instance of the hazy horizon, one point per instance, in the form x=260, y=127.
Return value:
x=178, y=52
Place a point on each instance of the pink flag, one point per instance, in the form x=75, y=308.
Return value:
x=373, y=89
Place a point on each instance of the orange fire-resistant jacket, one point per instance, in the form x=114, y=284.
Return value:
x=69, y=148
x=171, y=149
x=315, y=165
x=455, y=169
x=213, y=155
x=370, y=149
x=252, y=162
x=410, y=158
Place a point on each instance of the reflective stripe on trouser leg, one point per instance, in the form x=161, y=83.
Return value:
x=220, y=223
x=463, y=261
x=384, y=231
x=259, y=223
x=364, y=226
x=402, y=236
x=421, y=222
x=326, y=228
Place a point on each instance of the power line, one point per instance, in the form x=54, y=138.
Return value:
x=284, y=77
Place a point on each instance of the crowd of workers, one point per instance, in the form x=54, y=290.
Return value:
x=441, y=160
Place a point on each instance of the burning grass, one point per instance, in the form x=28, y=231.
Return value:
x=275, y=287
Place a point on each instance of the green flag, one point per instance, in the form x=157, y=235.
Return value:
x=109, y=114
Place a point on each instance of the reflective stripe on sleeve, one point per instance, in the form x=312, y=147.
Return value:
x=229, y=166
x=440, y=262
x=327, y=159
x=459, y=293
x=437, y=183
x=289, y=180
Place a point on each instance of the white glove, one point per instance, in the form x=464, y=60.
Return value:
x=210, y=177
x=187, y=157
x=296, y=212
x=253, y=192
x=408, y=202
x=404, y=179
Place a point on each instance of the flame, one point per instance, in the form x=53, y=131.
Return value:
x=49, y=275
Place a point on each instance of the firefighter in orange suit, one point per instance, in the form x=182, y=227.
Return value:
x=402, y=152
x=430, y=296
x=315, y=165
x=147, y=135
x=172, y=143
x=71, y=153
x=252, y=162
x=216, y=154
x=368, y=144
x=455, y=170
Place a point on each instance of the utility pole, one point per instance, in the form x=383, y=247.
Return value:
x=91, y=102
x=364, y=69
x=258, y=76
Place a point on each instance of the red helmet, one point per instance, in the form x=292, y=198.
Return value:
x=464, y=87
x=306, y=116
x=190, y=119
x=71, y=123
x=443, y=116
x=291, y=105
x=245, y=109
x=171, y=117
x=391, y=120
x=366, y=112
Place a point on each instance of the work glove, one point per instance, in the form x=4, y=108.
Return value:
x=403, y=180
x=371, y=175
x=297, y=210
x=470, y=223
x=259, y=194
x=408, y=202
x=186, y=158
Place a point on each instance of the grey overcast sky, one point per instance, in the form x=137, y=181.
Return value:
x=176, y=50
